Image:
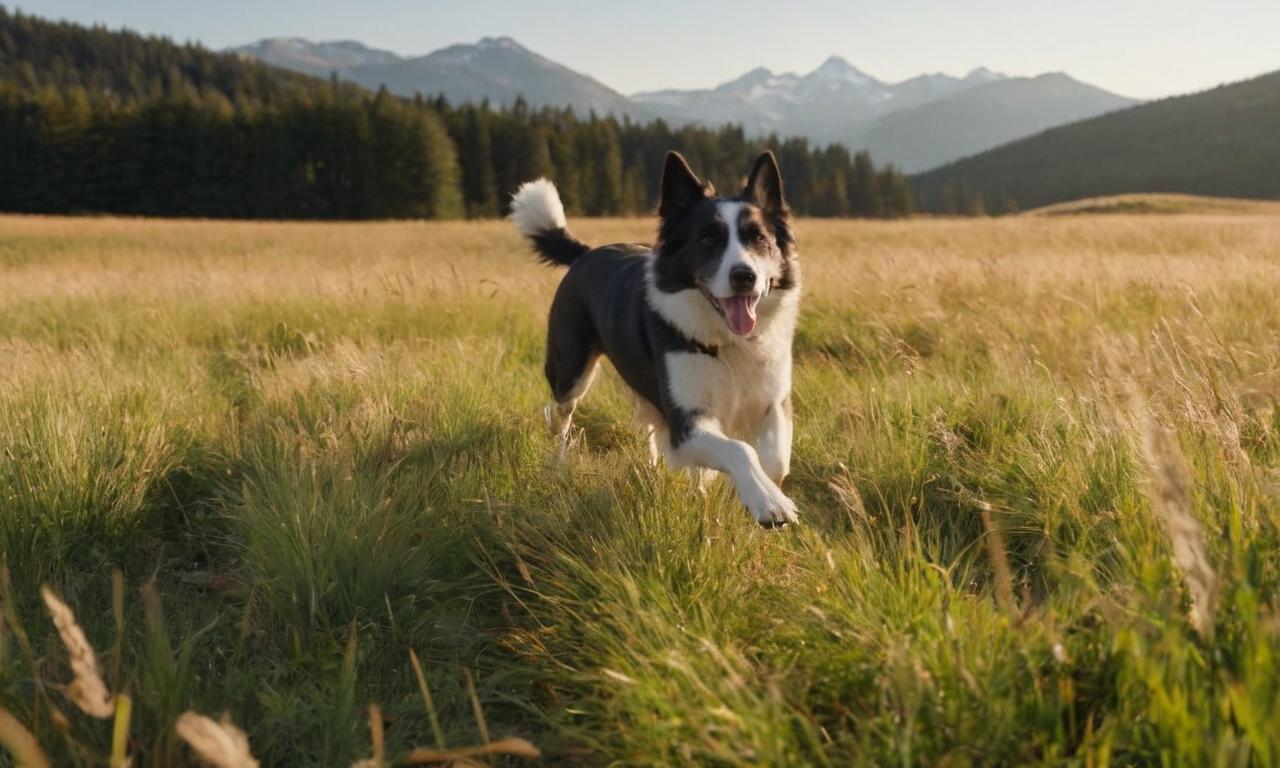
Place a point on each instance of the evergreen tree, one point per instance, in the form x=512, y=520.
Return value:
x=635, y=198
x=600, y=167
x=475, y=150
x=564, y=159
x=864, y=187
x=833, y=192
x=894, y=192
x=440, y=170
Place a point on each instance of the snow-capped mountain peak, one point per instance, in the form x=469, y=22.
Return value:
x=837, y=69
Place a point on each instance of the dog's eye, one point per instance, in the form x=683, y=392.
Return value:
x=708, y=241
x=759, y=237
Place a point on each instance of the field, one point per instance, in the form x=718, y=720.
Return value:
x=1036, y=460
x=1162, y=204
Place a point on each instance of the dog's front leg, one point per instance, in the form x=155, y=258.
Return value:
x=773, y=440
x=706, y=445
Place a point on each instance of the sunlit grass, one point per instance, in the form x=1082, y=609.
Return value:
x=1036, y=460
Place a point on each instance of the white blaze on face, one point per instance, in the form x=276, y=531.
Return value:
x=734, y=252
x=739, y=310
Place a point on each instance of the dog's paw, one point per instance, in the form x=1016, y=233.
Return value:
x=772, y=508
x=560, y=424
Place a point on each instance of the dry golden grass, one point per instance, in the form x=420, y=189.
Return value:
x=183, y=261
x=220, y=744
x=1004, y=282
x=1147, y=203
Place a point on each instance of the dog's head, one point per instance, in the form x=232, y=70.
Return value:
x=735, y=251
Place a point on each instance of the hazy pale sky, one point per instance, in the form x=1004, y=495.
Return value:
x=1141, y=48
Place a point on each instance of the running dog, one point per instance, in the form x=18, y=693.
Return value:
x=699, y=325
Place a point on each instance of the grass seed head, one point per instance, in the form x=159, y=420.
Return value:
x=219, y=744
x=86, y=689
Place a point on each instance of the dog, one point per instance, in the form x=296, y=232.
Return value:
x=699, y=325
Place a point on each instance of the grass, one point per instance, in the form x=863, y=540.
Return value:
x=1036, y=460
x=1167, y=204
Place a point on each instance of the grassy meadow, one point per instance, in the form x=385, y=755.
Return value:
x=1037, y=460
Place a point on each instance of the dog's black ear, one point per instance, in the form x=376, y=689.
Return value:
x=680, y=188
x=764, y=185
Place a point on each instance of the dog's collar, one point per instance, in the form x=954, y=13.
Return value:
x=706, y=349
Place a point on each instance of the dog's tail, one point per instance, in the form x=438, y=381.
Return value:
x=539, y=215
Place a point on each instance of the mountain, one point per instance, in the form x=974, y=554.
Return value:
x=1221, y=142
x=981, y=117
x=826, y=105
x=315, y=58
x=498, y=69
x=924, y=88
x=917, y=123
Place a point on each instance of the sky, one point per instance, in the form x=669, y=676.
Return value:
x=1139, y=48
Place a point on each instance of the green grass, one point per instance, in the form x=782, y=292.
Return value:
x=1028, y=452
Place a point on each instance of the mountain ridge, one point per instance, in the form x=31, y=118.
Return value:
x=834, y=103
x=827, y=104
x=961, y=124
x=497, y=69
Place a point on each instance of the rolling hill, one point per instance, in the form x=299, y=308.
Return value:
x=121, y=67
x=1221, y=142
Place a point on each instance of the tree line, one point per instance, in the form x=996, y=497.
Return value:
x=605, y=166
x=93, y=120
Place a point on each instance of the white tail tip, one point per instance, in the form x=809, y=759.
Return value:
x=536, y=208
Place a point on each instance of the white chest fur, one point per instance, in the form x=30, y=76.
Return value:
x=746, y=377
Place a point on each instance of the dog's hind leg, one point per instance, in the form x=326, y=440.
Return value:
x=573, y=356
x=559, y=414
x=569, y=376
x=655, y=431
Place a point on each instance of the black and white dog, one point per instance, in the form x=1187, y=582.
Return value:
x=699, y=325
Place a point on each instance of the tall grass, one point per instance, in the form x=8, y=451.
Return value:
x=1036, y=460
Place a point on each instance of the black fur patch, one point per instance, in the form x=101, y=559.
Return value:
x=692, y=238
x=764, y=191
x=557, y=246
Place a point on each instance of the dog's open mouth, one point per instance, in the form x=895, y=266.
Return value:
x=739, y=312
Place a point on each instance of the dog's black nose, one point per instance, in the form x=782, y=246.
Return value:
x=742, y=278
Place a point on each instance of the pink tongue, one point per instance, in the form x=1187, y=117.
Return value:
x=740, y=311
